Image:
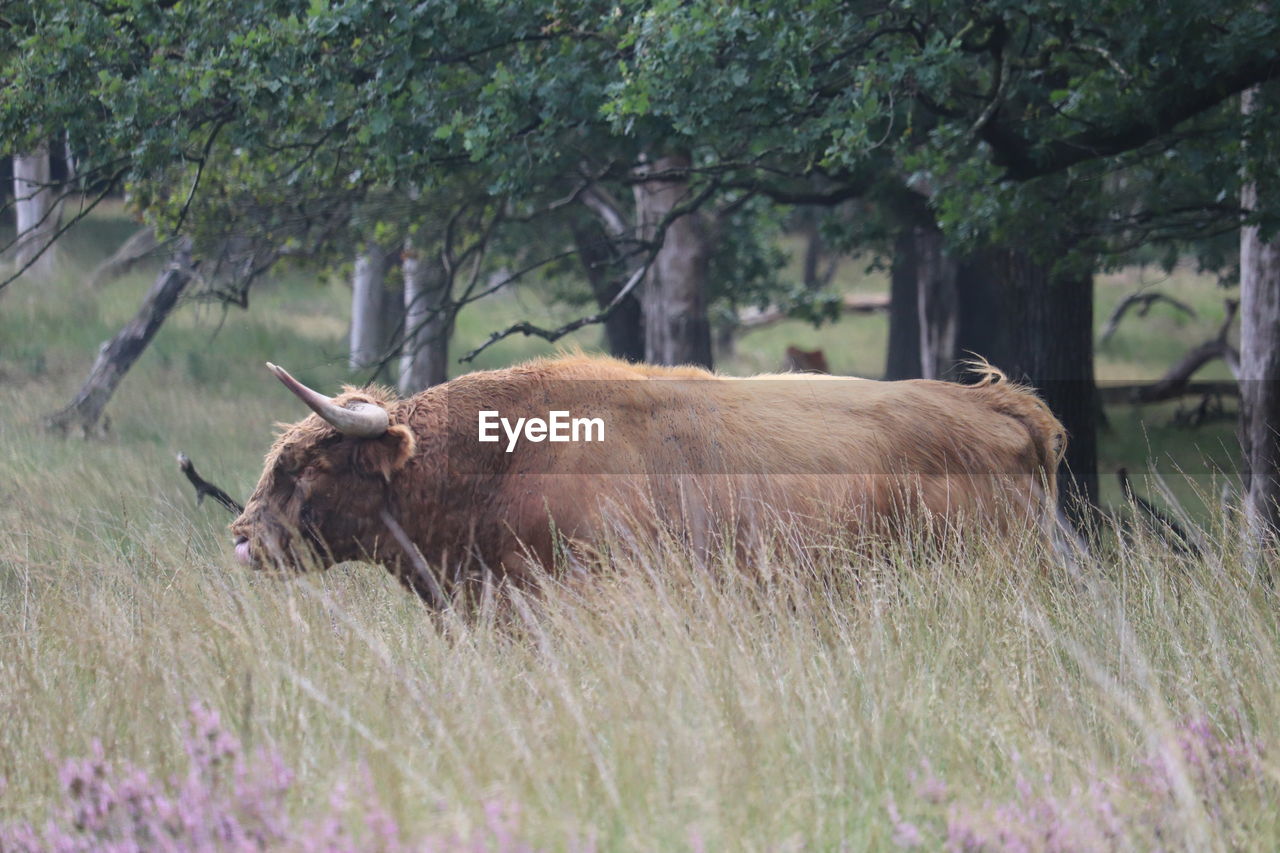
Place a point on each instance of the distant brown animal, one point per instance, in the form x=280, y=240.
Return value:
x=370, y=476
x=806, y=361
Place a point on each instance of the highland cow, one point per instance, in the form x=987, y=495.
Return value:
x=416, y=481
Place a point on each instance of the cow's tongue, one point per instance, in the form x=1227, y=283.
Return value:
x=242, y=552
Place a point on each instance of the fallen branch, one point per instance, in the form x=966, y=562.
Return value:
x=1144, y=300
x=1209, y=409
x=204, y=488
x=756, y=318
x=1177, y=381
x=1179, y=376
x=1197, y=357
x=1159, y=392
x=143, y=244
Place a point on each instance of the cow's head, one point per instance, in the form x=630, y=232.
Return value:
x=325, y=482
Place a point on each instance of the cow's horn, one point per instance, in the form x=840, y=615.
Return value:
x=361, y=420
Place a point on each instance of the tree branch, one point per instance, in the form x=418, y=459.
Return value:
x=80, y=215
x=1144, y=300
x=204, y=488
x=750, y=319
x=1156, y=114
x=598, y=200
x=551, y=335
x=528, y=329
x=1176, y=381
x=195, y=182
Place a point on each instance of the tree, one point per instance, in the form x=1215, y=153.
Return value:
x=902, y=361
x=1047, y=324
x=1045, y=139
x=937, y=302
x=85, y=412
x=673, y=296
x=624, y=327
x=369, y=297
x=1260, y=359
x=36, y=211
x=428, y=322
x=252, y=147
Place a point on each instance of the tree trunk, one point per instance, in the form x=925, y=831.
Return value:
x=428, y=323
x=117, y=355
x=815, y=277
x=624, y=328
x=368, y=292
x=34, y=208
x=938, y=303
x=1046, y=339
x=1259, y=371
x=903, y=358
x=674, y=290
x=393, y=320
x=724, y=342
x=983, y=325
x=72, y=165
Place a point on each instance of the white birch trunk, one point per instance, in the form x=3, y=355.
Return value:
x=1259, y=371
x=367, y=292
x=428, y=323
x=37, y=219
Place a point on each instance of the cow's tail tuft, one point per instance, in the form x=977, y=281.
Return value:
x=987, y=373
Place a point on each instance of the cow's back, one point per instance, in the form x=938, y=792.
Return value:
x=699, y=452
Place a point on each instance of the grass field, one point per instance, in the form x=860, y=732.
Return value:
x=978, y=698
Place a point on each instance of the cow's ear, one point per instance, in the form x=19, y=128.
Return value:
x=386, y=454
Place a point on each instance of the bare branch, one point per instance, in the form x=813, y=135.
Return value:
x=551, y=335
x=204, y=488
x=732, y=207
x=1144, y=300
x=749, y=319
x=1177, y=380
x=80, y=215
x=1145, y=393
x=997, y=93
x=479, y=247
x=550, y=259
x=200, y=164
x=1107, y=57
x=142, y=244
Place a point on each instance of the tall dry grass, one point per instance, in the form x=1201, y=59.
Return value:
x=833, y=699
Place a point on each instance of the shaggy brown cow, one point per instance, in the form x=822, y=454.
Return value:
x=806, y=361
x=701, y=453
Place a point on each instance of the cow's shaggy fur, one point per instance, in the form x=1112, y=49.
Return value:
x=700, y=454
